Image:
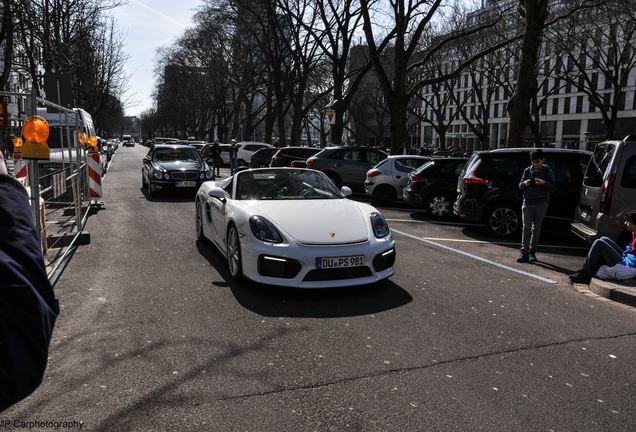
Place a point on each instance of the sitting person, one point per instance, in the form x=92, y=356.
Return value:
x=606, y=260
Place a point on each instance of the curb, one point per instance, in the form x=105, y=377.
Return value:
x=620, y=292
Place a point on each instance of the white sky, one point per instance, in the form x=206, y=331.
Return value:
x=148, y=25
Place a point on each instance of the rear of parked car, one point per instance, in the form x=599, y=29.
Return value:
x=285, y=156
x=488, y=187
x=433, y=186
x=247, y=149
x=263, y=157
x=608, y=192
x=386, y=180
x=346, y=166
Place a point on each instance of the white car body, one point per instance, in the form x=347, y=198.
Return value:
x=311, y=229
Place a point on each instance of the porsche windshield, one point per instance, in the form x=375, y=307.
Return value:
x=176, y=154
x=285, y=184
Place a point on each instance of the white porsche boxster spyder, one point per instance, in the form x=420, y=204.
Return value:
x=292, y=227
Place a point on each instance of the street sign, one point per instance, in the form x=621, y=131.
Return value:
x=331, y=117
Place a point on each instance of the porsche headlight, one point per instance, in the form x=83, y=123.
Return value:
x=380, y=227
x=202, y=176
x=166, y=176
x=158, y=174
x=264, y=230
x=209, y=175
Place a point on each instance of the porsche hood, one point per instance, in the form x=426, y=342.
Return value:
x=317, y=221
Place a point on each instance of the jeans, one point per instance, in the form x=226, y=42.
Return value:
x=532, y=216
x=232, y=166
x=603, y=252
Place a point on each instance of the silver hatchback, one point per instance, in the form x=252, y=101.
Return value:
x=386, y=181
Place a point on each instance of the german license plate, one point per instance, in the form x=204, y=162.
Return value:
x=186, y=184
x=340, y=262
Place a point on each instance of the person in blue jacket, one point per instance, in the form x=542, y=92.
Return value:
x=28, y=307
x=607, y=260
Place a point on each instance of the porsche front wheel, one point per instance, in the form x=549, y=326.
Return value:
x=233, y=252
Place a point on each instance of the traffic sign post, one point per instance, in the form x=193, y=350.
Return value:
x=331, y=117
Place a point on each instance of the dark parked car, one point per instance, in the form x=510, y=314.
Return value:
x=346, y=166
x=488, y=187
x=263, y=157
x=433, y=187
x=608, y=192
x=285, y=156
x=174, y=167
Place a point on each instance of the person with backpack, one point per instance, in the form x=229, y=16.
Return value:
x=28, y=307
x=536, y=183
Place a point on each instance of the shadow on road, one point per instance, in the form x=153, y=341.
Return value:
x=272, y=301
x=184, y=196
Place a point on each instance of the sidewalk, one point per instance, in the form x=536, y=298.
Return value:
x=620, y=291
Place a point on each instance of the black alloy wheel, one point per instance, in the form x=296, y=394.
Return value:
x=439, y=205
x=503, y=220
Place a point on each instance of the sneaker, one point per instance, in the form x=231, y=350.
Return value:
x=580, y=277
x=523, y=256
x=532, y=256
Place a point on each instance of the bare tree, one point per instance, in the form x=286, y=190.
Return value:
x=601, y=54
x=400, y=72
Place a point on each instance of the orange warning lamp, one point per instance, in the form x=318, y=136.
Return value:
x=91, y=143
x=35, y=132
x=81, y=137
x=17, y=144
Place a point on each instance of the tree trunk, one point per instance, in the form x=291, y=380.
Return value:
x=536, y=13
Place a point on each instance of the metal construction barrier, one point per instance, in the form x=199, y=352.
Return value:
x=58, y=187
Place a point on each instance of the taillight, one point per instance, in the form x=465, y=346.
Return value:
x=373, y=173
x=606, y=196
x=471, y=177
x=276, y=158
x=475, y=180
x=310, y=163
x=415, y=178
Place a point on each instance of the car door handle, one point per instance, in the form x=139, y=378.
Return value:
x=398, y=177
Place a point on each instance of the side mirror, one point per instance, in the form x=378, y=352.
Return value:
x=346, y=191
x=217, y=193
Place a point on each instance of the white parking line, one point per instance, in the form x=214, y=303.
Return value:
x=503, y=243
x=475, y=257
x=434, y=222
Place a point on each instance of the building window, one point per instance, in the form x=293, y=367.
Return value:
x=566, y=106
x=568, y=87
x=592, y=106
x=579, y=104
x=555, y=106
x=495, y=113
x=608, y=83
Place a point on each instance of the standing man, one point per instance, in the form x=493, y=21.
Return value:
x=216, y=157
x=28, y=307
x=233, y=155
x=536, y=183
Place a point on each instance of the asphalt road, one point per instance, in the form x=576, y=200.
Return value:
x=153, y=336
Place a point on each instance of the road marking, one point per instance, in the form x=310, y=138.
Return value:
x=434, y=222
x=503, y=243
x=475, y=257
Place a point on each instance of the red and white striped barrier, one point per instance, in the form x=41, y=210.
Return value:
x=21, y=167
x=94, y=175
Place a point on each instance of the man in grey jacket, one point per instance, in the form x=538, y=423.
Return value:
x=536, y=183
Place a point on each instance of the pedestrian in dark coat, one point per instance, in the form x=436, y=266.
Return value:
x=28, y=307
x=233, y=155
x=536, y=183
